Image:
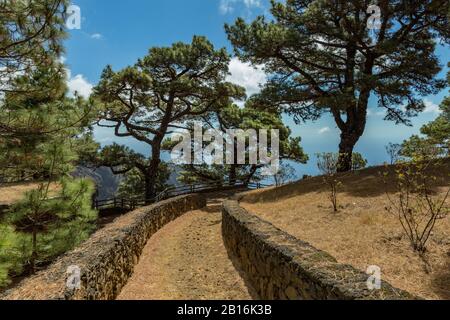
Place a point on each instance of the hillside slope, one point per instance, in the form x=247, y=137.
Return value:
x=362, y=233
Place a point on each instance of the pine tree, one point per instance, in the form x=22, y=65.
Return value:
x=435, y=137
x=48, y=133
x=48, y=222
x=230, y=116
x=167, y=87
x=133, y=166
x=33, y=119
x=54, y=224
x=322, y=57
x=31, y=34
x=133, y=184
x=41, y=131
x=51, y=222
x=10, y=255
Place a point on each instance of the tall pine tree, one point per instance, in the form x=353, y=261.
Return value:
x=323, y=57
x=41, y=135
x=49, y=132
x=31, y=34
x=163, y=90
x=231, y=117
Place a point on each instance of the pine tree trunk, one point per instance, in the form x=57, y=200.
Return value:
x=233, y=166
x=33, y=252
x=150, y=181
x=346, y=147
x=152, y=174
x=352, y=129
x=233, y=175
x=148, y=190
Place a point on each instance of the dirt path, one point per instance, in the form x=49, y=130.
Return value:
x=187, y=260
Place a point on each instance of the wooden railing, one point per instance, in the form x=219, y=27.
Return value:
x=133, y=203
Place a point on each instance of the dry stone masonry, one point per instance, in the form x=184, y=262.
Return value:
x=107, y=259
x=276, y=264
x=280, y=266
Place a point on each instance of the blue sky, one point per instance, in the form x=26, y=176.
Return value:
x=120, y=32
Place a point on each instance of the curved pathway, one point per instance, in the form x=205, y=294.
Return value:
x=188, y=260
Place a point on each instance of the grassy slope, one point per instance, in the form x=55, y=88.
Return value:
x=362, y=233
x=13, y=192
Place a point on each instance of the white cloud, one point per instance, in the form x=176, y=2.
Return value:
x=252, y=3
x=247, y=76
x=431, y=107
x=78, y=84
x=227, y=6
x=374, y=112
x=96, y=36
x=324, y=130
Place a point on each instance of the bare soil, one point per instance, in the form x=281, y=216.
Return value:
x=362, y=233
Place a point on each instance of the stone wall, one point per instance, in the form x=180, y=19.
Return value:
x=280, y=266
x=107, y=259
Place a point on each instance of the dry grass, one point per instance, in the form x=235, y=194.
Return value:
x=362, y=233
x=13, y=192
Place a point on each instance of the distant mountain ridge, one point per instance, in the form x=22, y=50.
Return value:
x=106, y=181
